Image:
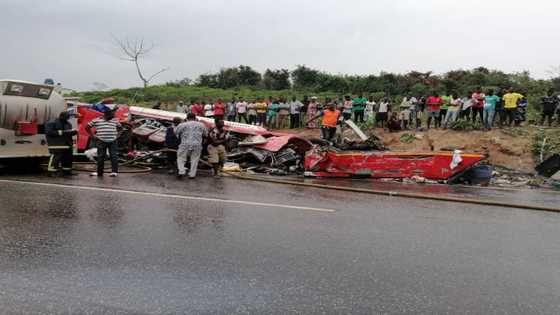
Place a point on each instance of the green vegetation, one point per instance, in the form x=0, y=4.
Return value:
x=550, y=147
x=172, y=94
x=245, y=81
x=407, y=138
x=466, y=125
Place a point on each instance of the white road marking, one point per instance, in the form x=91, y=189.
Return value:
x=160, y=195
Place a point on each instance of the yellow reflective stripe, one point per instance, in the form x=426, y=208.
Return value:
x=59, y=147
x=50, y=167
x=66, y=168
x=60, y=132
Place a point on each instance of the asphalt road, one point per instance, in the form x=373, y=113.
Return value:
x=221, y=246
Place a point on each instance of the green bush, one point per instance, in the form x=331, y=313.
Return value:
x=552, y=145
x=465, y=125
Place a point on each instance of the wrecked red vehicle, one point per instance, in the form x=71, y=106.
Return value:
x=256, y=148
x=148, y=125
x=330, y=162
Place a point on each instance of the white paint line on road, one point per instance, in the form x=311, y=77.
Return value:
x=160, y=195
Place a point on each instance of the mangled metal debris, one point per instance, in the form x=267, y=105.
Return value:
x=259, y=150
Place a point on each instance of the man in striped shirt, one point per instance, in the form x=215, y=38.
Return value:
x=106, y=134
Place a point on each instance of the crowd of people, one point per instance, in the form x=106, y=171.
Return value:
x=488, y=108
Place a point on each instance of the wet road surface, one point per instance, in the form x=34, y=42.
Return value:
x=223, y=246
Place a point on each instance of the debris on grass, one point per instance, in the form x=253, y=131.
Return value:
x=408, y=138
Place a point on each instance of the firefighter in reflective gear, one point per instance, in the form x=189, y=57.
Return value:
x=59, y=134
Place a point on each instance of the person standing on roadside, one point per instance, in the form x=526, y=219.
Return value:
x=358, y=107
x=414, y=112
x=347, y=108
x=490, y=102
x=272, y=114
x=370, y=109
x=478, y=105
x=231, y=110
x=404, y=113
x=208, y=109
x=295, y=108
x=444, y=106
x=252, y=112
x=172, y=144
x=303, y=111
x=217, y=146
x=197, y=108
x=453, y=110
x=312, y=111
x=434, y=104
x=466, y=108
x=59, y=135
x=330, y=120
x=181, y=108
x=219, y=109
x=283, y=113
x=261, y=108
x=499, y=114
x=241, y=108
x=191, y=134
x=106, y=135
x=382, y=115
x=511, y=100
x=549, y=104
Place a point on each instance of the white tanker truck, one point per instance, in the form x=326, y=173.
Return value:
x=25, y=108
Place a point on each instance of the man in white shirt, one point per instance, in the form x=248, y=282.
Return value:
x=383, y=113
x=181, y=108
x=295, y=108
x=370, y=108
x=241, y=107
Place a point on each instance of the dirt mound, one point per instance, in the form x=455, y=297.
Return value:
x=510, y=148
x=504, y=148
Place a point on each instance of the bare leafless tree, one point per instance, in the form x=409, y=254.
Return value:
x=133, y=50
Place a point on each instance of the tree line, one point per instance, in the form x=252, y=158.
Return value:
x=416, y=83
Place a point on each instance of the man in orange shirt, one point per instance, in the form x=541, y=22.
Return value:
x=330, y=121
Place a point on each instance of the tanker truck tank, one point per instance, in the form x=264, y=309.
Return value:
x=25, y=108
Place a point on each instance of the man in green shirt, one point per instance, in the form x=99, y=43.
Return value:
x=358, y=108
x=444, y=106
x=490, y=101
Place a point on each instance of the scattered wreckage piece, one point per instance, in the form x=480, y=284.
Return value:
x=550, y=166
x=476, y=175
x=356, y=129
x=278, y=155
x=252, y=140
x=162, y=115
x=332, y=162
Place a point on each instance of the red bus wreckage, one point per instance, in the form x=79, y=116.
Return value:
x=275, y=152
x=330, y=162
x=26, y=107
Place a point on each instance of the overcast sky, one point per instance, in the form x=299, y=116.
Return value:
x=70, y=40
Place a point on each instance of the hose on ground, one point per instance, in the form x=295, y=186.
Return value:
x=400, y=194
x=134, y=163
